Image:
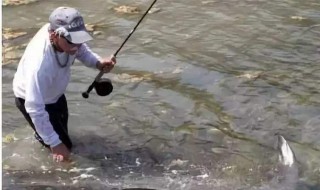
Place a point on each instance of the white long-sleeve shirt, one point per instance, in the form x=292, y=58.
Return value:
x=40, y=79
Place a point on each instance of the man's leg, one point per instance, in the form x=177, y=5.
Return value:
x=58, y=116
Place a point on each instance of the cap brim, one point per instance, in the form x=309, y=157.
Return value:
x=79, y=37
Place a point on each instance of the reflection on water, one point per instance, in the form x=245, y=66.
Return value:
x=201, y=89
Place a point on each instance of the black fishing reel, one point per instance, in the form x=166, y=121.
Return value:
x=103, y=87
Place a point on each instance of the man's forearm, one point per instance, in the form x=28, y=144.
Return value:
x=43, y=126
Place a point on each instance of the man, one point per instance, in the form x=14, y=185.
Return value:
x=43, y=75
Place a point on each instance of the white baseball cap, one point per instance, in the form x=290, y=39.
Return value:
x=68, y=22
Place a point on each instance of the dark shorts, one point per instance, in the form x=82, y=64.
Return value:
x=58, y=116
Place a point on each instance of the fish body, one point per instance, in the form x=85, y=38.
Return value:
x=288, y=173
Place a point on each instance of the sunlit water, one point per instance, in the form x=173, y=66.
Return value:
x=200, y=90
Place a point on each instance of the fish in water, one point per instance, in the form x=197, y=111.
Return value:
x=286, y=155
x=287, y=166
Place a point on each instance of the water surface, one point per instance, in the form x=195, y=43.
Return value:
x=200, y=90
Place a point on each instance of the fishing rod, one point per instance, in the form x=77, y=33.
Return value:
x=96, y=81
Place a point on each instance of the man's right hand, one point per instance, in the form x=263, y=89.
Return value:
x=106, y=64
x=60, y=153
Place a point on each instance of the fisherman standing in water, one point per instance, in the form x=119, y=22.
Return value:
x=43, y=74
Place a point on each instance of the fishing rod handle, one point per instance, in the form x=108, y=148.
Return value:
x=86, y=93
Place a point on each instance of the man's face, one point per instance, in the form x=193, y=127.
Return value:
x=64, y=44
x=67, y=46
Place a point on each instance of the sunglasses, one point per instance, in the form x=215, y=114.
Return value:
x=70, y=42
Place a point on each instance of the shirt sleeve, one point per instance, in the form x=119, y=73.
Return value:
x=36, y=86
x=87, y=56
